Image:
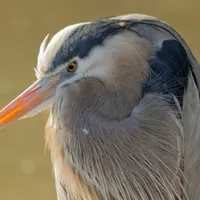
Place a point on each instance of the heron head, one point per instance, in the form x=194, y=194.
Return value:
x=98, y=49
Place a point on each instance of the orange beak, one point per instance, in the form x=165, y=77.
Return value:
x=33, y=100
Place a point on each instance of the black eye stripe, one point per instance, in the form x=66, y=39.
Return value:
x=85, y=37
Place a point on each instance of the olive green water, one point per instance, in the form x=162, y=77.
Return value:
x=25, y=170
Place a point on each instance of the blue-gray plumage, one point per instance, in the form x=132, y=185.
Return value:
x=169, y=71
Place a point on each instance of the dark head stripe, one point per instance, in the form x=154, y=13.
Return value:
x=85, y=37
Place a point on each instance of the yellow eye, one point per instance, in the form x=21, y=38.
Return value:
x=71, y=67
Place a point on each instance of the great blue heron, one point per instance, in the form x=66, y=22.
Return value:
x=124, y=121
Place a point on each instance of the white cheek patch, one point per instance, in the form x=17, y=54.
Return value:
x=96, y=64
x=70, y=81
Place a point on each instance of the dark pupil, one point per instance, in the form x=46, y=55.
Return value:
x=71, y=67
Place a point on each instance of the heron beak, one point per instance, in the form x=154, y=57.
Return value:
x=33, y=100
